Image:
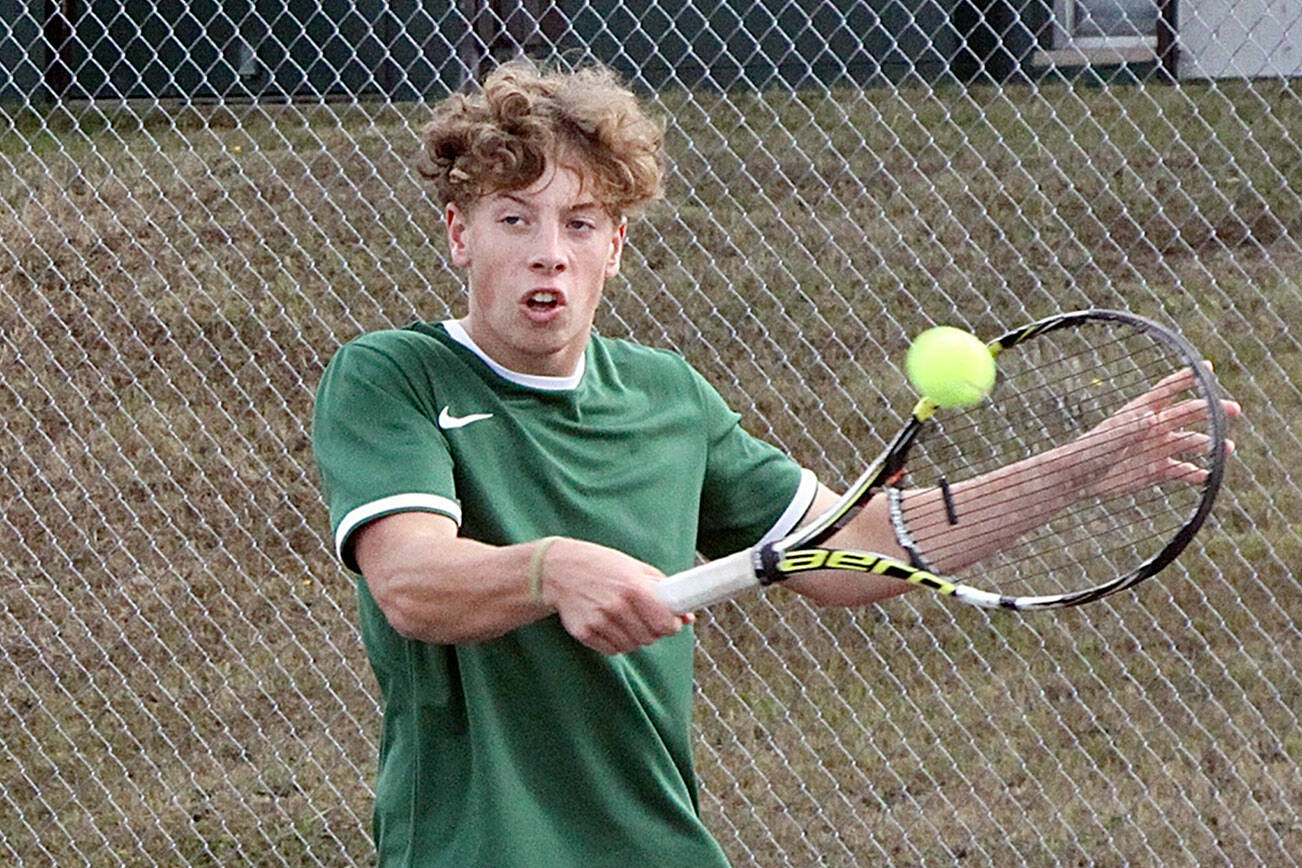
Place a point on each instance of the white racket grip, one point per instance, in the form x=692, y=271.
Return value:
x=709, y=583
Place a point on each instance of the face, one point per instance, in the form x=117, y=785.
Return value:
x=537, y=260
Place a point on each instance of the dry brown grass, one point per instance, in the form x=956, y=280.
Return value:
x=183, y=681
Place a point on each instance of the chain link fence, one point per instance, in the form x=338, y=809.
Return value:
x=200, y=202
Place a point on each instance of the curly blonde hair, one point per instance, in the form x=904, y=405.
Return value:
x=502, y=137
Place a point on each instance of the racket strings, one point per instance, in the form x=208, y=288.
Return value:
x=1137, y=538
x=1008, y=569
x=1053, y=407
x=991, y=513
x=1029, y=426
x=1054, y=391
x=993, y=507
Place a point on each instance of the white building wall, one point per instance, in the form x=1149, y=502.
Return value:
x=1239, y=38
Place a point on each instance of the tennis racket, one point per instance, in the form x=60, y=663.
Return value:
x=1089, y=468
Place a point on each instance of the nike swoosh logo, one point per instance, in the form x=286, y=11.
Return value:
x=447, y=421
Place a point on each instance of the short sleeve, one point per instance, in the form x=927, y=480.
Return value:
x=377, y=448
x=752, y=491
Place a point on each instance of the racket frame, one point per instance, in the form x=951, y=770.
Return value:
x=803, y=550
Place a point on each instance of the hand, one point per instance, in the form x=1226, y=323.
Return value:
x=1140, y=445
x=605, y=598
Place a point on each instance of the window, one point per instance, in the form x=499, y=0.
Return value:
x=1102, y=31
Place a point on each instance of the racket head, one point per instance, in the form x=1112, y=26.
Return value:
x=1059, y=379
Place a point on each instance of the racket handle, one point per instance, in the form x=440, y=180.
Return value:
x=709, y=583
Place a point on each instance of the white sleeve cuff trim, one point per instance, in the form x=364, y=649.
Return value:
x=387, y=505
x=795, y=510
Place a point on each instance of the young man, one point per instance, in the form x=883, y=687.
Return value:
x=509, y=488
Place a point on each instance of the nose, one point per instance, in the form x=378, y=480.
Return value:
x=547, y=255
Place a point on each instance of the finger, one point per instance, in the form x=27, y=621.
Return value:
x=1187, y=471
x=1154, y=460
x=1187, y=412
x=609, y=639
x=1167, y=470
x=601, y=632
x=1183, y=471
x=1183, y=413
x=649, y=619
x=599, y=643
x=632, y=631
x=1174, y=383
x=1194, y=474
x=658, y=618
x=1193, y=412
x=1184, y=443
x=1165, y=389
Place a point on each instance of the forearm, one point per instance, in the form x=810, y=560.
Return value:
x=870, y=531
x=1142, y=444
x=990, y=512
x=993, y=511
x=435, y=586
x=448, y=589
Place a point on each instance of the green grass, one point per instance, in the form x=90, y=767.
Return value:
x=183, y=681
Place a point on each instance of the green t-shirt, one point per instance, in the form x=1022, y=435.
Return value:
x=532, y=749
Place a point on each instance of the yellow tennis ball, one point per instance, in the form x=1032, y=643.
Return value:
x=950, y=367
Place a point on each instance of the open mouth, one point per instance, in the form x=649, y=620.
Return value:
x=543, y=300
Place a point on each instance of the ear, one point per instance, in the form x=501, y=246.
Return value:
x=458, y=246
x=617, y=247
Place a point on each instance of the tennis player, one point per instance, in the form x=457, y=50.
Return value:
x=509, y=486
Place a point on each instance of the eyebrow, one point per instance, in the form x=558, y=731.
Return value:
x=582, y=206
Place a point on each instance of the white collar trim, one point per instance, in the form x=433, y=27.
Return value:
x=532, y=381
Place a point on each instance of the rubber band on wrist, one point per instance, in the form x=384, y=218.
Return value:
x=535, y=568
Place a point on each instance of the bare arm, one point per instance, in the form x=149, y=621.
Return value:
x=435, y=586
x=1140, y=445
x=871, y=531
